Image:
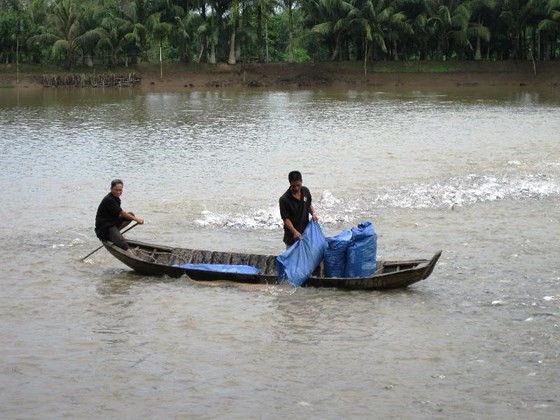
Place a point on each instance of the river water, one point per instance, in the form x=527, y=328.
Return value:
x=473, y=172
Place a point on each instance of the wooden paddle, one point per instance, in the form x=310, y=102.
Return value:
x=93, y=252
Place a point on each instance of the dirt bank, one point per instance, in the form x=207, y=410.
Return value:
x=177, y=77
x=352, y=74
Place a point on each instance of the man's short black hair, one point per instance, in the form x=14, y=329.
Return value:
x=115, y=182
x=294, y=176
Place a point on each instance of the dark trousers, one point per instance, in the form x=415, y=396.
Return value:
x=116, y=237
x=115, y=234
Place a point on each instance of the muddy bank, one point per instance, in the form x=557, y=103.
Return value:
x=177, y=77
x=335, y=74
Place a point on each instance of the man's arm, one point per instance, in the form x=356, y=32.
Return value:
x=288, y=223
x=126, y=215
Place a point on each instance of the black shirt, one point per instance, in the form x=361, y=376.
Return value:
x=108, y=215
x=295, y=210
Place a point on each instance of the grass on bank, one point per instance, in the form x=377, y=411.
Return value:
x=345, y=66
x=33, y=73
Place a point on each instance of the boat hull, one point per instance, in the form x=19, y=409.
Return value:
x=159, y=260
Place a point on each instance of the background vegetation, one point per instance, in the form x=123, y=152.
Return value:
x=122, y=32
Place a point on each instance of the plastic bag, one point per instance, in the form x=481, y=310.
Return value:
x=222, y=268
x=335, y=254
x=362, y=251
x=300, y=260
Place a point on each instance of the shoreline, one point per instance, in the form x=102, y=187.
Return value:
x=390, y=75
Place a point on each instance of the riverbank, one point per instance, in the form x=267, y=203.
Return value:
x=176, y=77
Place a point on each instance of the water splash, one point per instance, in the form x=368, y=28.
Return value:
x=469, y=190
x=465, y=190
x=267, y=219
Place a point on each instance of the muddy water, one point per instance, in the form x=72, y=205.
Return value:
x=474, y=173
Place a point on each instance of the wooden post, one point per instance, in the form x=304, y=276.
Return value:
x=160, y=63
x=17, y=59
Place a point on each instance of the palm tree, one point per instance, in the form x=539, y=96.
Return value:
x=289, y=6
x=14, y=23
x=550, y=27
x=184, y=31
x=64, y=33
x=210, y=28
x=375, y=19
x=136, y=13
x=332, y=17
x=115, y=38
x=264, y=10
x=477, y=28
x=449, y=19
x=399, y=27
x=158, y=31
x=211, y=31
x=91, y=19
x=415, y=41
x=234, y=22
x=515, y=14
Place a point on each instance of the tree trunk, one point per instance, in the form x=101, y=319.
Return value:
x=260, y=37
x=365, y=58
x=234, y=23
x=477, y=54
x=336, y=51
x=17, y=60
x=334, y=54
x=201, y=51
x=266, y=41
x=160, y=62
x=144, y=47
x=291, y=57
x=231, y=58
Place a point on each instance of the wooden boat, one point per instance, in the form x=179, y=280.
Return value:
x=160, y=260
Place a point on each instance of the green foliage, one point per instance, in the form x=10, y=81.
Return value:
x=169, y=53
x=119, y=32
x=301, y=55
x=15, y=27
x=314, y=46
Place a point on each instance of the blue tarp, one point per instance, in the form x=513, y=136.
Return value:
x=362, y=251
x=222, y=268
x=335, y=254
x=300, y=260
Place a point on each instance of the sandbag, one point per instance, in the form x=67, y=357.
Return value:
x=335, y=254
x=221, y=268
x=361, y=254
x=300, y=260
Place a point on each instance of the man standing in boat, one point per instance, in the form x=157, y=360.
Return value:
x=111, y=218
x=295, y=208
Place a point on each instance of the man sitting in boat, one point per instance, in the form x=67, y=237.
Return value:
x=111, y=218
x=295, y=208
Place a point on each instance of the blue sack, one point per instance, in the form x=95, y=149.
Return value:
x=362, y=251
x=335, y=254
x=222, y=268
x=300, y=260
